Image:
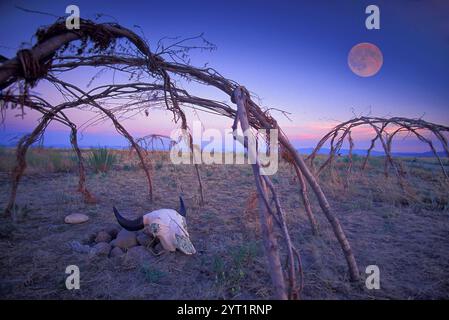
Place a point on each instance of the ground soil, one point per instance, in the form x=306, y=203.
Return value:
x=408, y=241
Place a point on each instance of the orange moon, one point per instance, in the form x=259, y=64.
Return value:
x=365, y=59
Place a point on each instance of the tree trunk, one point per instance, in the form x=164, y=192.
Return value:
x=88, y=198
x=306, y=201
x=266, y=220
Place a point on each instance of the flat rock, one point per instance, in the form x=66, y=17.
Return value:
x=116, y=252
x=76, y=218
x=103, y=236
x=100, y=249
x=143, y=239
x=125, y=239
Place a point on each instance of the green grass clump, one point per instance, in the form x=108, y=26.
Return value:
x=101, y=160
x=151, y=274
x=231, y=272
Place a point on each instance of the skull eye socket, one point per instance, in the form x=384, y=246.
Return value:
x=154, y=228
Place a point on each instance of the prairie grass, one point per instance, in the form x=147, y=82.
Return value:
x=232, y=270
x=101, y=159
x=152, y=274
x=7, y=159
x=51, y=160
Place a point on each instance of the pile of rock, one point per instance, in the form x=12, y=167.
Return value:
x=115, y=242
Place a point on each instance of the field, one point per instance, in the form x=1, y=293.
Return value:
x=405, y=233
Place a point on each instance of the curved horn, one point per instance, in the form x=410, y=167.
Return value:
x=182, y=208
x=130, y=225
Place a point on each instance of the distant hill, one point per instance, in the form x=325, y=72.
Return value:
x=11, y=141
x=374, y=153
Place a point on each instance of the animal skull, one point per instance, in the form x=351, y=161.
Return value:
x=167, y=225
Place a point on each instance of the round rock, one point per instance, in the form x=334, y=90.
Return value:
x=78, y=247
x=116, y=252
x=147, y=231
x=125, y=239
x=90, y=238
x=103, y=236
x=76, y=218
x=143, y=239
x=113, y=230
x=100, y=249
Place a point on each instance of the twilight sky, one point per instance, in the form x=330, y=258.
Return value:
x=293, y=54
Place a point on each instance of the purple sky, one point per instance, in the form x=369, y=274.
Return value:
x=293, y=54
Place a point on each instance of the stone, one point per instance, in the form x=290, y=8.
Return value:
x=147, y=231
x=125, y=239
x=116, y=252
x=78, y=247
x=76, y=218
x=100, y=249
x=90, y=239
x=113, y=231
x=103, y=236
x=143, y=239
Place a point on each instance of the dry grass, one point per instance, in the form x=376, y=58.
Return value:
x=404, y=233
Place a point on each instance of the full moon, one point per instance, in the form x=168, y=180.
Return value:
x=365, y=59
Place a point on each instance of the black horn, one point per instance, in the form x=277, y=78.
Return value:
x=182, y=208
x=130, y=225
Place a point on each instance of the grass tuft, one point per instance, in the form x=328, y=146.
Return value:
x=101, y=160
x=151, y=274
